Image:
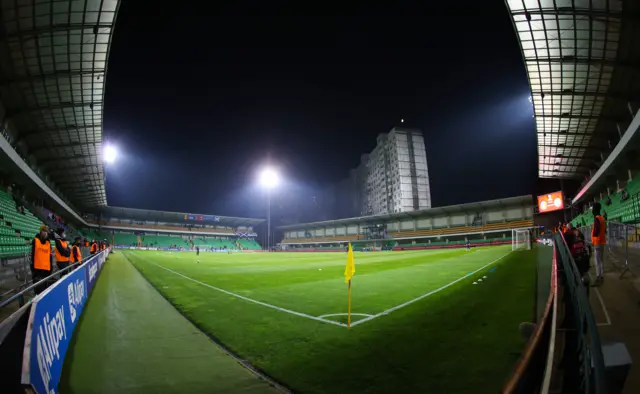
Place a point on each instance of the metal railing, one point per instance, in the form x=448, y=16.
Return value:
x=28, y=285
x=619, y=235
x=585, y=366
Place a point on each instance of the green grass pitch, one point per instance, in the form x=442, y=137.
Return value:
x=420, y=322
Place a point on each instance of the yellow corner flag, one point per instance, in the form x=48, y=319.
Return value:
x=349, y=271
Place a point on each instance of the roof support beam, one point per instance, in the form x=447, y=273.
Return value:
x=56, y=130
x=69, y=145
x=70, y=168
x=22, y=35
x=597, y=135
x=45, y=162
x=565, y=147
x=569, y=11
x=56, y=74
x=572, y=116
x=562, y=156
x=583, y=60
x=28, y=110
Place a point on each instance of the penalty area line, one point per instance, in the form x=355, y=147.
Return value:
x=395, y=308
x=300, y=314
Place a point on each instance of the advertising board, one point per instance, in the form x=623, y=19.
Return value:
x=53, y=318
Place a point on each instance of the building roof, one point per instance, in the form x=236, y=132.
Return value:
x=424, y=213
x=53, y=63
x=175, y=217
x=583, y=68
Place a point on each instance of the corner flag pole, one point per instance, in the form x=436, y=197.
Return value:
x=349, y=271
x=349, y=307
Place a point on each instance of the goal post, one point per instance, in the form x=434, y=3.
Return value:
x=520, y=239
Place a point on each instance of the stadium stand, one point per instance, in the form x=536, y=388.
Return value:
x=248, y=244
x=615, y=207
x=125, y=239
x=488, y=218
x=163, y=241
x=16, y=229
x=165, y=226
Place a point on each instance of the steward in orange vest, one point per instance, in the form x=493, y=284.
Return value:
x=63, y=251
x=76, y=253
x=41, y=259
x=103, y=245
x=94, y=247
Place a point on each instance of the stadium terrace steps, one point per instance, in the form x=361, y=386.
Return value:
x=249, y=244
x=178, y=228
x=164, y=241
x=16, y=229
x=614, y=208
x=424, y=233
x=125, y=239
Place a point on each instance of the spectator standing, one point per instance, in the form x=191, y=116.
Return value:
x=598, y=240
x=579, y=252
x=41, y=259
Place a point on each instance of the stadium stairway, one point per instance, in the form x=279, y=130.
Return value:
x=131, y=340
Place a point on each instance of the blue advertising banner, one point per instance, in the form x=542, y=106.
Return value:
x=54, y=316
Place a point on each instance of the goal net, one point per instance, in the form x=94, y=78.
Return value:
x=520, y=239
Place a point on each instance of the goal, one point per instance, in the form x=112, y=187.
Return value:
x=520, y=239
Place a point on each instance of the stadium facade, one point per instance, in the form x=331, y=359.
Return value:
x=393, y=178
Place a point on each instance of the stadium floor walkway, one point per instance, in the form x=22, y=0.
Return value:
x=131, y=340
x=616, y=306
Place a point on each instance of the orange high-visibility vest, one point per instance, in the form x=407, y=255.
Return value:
x=77, y=249
x=94, y=248
x=60, y=258
x=103, y=246
x=600, y=239
x=42, y=255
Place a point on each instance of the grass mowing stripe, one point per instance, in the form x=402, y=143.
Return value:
x=463, y=339
x=247, y=298
x=395, y=308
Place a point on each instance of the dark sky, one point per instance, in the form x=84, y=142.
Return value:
x=197, y=100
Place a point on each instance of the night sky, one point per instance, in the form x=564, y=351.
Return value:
x=197, y=101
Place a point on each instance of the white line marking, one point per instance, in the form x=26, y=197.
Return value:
x=395, y=308
x=604, y=308
x=246, y=298
x=344, y=314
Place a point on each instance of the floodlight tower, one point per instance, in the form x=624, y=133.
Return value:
x=269, y=180
x=110, y=154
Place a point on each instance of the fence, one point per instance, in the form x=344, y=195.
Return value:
x=20, y=269
x=583, y=360
x=35, y=338
x=620, y=236
x=565, y=340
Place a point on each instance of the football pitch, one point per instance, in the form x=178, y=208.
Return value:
x=441, y=321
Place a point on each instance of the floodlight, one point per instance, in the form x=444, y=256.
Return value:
x=110, y=154
x=269, y=178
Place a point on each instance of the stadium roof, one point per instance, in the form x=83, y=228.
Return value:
x=431, y=212
x=583, y=68
x=175, y=217
x=53, y=63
